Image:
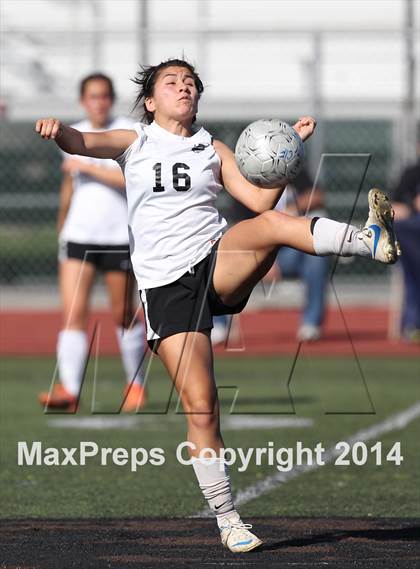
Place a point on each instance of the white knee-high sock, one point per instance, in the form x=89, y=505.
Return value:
x=131, y=342
x=72, y=351
x=334, y=238
x=214, y=481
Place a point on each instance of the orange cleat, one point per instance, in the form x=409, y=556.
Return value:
x=58, y=398
x=135, y=398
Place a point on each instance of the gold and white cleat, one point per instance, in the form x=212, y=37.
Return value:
x=378, y=233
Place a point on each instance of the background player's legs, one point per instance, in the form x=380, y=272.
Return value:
x=120, y=286
x=130, y=335
x=130, y=332
x=76, y=279
x=408, y=233
x=313, y=271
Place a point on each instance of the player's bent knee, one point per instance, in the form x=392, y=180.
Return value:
x=279, y=226
x=273, y=217
x=272, y=224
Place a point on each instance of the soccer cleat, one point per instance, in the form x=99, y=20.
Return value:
x=235, y=535
x=58, y=398
x=134, y=398
x=378, y=234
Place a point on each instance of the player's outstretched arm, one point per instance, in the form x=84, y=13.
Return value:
x=108, y=144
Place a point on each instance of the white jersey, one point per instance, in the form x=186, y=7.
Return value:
x=172, y=183
x=98, y=212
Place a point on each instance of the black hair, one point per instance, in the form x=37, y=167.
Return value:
x=146, y=78
x=95, y=77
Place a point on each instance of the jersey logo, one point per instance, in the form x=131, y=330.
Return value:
x=199, y=147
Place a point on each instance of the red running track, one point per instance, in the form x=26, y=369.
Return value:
x=263, y=332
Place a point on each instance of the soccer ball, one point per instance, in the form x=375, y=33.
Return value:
x=269, y=152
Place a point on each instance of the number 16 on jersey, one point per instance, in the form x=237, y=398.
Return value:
x=181, y=181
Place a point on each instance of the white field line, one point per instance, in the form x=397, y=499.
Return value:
x=135, y=422
x=252, y=422
x=398, y=421
x=94, y=423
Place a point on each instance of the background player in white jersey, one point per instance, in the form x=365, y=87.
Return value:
x=93, y=236
x=188, y=265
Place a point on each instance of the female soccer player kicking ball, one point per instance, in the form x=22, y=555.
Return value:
x=189, y=266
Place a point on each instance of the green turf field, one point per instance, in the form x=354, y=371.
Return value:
x=330, y=392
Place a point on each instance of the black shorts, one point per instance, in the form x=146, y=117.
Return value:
x=187, y=304
x=104, y=257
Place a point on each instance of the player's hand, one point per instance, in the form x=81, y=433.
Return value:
x=49, y=128
x=305, y=127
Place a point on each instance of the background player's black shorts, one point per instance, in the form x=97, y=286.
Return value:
x=187, y=304
x=104, y=257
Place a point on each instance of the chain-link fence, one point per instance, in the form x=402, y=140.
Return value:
x=358, y=156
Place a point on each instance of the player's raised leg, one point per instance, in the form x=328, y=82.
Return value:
x=188, y=358
x=247, y=250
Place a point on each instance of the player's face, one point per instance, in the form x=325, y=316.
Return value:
x=97, y=101
x=175, y=94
